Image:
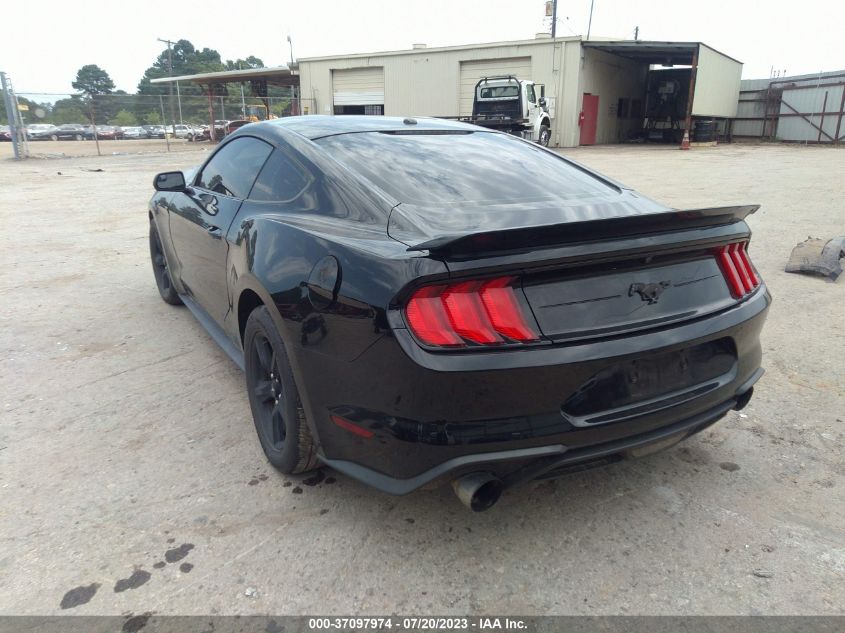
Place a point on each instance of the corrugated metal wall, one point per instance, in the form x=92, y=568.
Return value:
x=802, y=108
x=810, y=114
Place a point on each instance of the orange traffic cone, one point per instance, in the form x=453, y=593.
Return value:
x=685, y=141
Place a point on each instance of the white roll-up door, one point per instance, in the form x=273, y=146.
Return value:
x=471, y=72
x=358, y=86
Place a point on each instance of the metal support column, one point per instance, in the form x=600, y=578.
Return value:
x=11, y=114
x=692, y=73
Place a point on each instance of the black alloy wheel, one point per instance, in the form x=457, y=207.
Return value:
x=268, y=392
x=274, y=399
x=160, y=269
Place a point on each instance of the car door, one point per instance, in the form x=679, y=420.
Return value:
x=200, y=219
x=534, y=110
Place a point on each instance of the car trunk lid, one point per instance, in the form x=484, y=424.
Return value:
x=605, y=276
x=626, y=295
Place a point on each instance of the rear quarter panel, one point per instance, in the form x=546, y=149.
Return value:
x=321, y=322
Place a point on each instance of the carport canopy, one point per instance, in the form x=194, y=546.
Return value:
x=258, y=79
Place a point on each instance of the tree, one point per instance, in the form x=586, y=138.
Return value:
x=123, y=118
x=92, y=80
x=152, y=118
x=187, y=60
x=70, y=110
x=244, y=64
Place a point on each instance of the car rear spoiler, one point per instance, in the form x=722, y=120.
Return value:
x=586, y=231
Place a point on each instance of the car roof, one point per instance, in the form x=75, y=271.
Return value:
x=320, y=125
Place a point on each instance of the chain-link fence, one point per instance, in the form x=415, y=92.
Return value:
x=159, y=119
x=133, y=110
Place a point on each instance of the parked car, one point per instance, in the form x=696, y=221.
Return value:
x=221, y=127
x=154, y=131
x=39, y=131
x=105, y=132
x=234, y=125
x=135, y=132
x=5, y=133
x=68, y=131
x=180, y=131
x=418, y=300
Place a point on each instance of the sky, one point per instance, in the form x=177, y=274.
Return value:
x=44, y=54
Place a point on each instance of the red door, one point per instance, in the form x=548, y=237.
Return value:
x=589, y=119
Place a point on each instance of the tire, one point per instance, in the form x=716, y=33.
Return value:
x=160, y=269
x=274, y=399
x=545, y=135
x=78, y=137
x=53, y=137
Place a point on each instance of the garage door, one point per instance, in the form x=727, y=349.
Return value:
x=358, y=86
x=471, y=72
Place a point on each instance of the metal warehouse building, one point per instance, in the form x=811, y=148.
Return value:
x=597, y=91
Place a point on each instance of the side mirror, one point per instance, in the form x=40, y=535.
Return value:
x=170, y=181
x=542, y=102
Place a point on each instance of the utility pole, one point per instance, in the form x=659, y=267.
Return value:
x=243, y=99
x=590, y=23
x=170, y=83
x=295, y=106
x=554, y=18
x=179, y=101
x=636, y=33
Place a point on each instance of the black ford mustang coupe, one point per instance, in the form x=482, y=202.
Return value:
x=419, y=300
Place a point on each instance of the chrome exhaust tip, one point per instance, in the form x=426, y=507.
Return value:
x=478, y=491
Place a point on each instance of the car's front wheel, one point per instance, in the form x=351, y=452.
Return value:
x=274, y=399
x=160, y=269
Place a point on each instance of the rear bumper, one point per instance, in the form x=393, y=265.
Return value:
x=435, y=416
x=522, y=465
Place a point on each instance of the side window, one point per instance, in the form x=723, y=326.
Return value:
x=531, y=97
x=280, y=180
x=232, y=170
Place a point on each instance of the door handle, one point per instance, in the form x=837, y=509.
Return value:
x=215, y=232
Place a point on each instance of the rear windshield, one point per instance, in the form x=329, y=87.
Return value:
x=478, y=167
x=499, y=92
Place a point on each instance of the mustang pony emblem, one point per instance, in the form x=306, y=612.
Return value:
x=649, y=292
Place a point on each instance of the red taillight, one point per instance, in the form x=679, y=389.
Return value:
x=483, y=312
x=427, y=317
x=501, y=304
x=467, y=314
x=737, y=269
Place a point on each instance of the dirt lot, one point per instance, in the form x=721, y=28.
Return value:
x=130, y=475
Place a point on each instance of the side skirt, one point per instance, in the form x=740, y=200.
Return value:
x=215, y=331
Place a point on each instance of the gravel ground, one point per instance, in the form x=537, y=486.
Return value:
x=131, y=479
